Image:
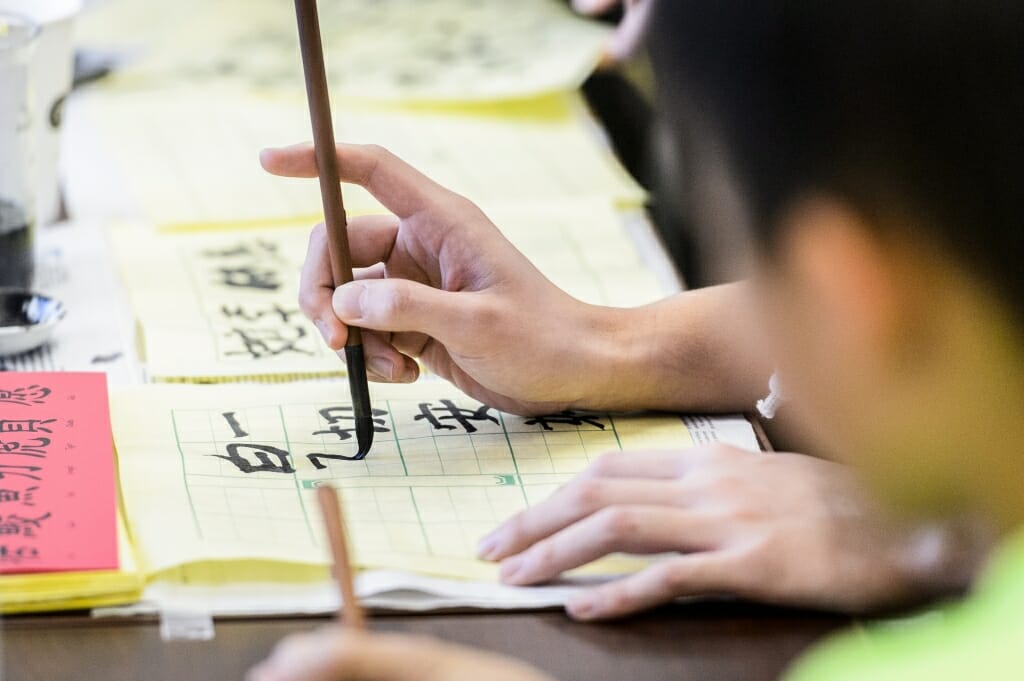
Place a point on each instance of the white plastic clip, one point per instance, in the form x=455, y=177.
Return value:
x=186, y=625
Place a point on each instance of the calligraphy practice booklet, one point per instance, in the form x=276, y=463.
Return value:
x=189, y=162
x=59, y=528
x=219, y=488
x=401, y=50
x=222, y=305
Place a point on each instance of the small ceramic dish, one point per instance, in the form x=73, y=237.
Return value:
x=27, y=320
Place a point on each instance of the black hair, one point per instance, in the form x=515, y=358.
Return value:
x=898, y=107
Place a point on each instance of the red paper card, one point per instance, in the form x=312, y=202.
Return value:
x=58, y=504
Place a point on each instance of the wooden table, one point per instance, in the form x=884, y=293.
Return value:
x=697, y=641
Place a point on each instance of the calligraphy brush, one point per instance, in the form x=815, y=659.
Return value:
x=351, y=612
x=334, y=208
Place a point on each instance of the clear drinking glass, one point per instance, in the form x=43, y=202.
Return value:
x=17, y=198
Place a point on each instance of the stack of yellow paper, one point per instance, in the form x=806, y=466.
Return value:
x=35, y=592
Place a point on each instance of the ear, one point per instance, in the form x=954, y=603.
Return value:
x=854, y=278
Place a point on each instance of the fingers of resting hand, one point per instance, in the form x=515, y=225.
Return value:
x=402, y=189
x=665, y=580
x=630, y=529
x=663, y=464
x=573, y=502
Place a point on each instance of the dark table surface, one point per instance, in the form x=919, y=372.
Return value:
x=705, y=641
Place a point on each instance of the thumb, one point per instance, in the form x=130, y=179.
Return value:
x=403, y=305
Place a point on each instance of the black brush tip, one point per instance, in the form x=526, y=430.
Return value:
x=360, y=389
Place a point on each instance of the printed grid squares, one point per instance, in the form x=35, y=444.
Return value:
x=425, y=490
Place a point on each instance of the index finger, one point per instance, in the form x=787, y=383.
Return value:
x=402, y=189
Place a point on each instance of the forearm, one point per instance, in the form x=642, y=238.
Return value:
x=695, y=351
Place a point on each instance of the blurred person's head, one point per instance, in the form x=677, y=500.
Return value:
x=879, y=147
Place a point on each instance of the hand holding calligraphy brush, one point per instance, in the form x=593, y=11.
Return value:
x=334, y=208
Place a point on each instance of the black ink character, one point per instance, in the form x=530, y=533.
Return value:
x=26, y=527
x=275, y=312
x=27, y=471
x=260, y=343
x=449, y=412
x=27, y=396
x=567, y=418
x=15, y=556
x=248, y=276
x=36, y=447
x=317, y=458
x=263, y=454
x=257, y=249
x=236, y=427
x=336, y=416
x=15, y=496
x=25, y=425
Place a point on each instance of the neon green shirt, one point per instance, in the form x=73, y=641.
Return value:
x=981, y=639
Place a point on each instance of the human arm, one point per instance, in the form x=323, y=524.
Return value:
x=438, y=282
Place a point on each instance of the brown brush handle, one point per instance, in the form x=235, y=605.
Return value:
x=334, y=522
x=323, y=144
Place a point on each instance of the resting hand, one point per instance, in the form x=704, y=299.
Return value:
x=777, y=528
x=439, y=282
x=330, y=654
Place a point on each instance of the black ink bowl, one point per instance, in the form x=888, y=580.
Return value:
x=27, y=320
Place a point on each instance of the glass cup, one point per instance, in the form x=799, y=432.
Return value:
x=50, y=72
x=17, y=200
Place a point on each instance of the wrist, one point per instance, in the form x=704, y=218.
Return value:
x=620, y=353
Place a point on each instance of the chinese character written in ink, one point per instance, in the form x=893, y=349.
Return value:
x=27, y=396
x=260, y=343
x=233, y=423
x=275, y=312
x=269, y=459
x=10, y=555
x=257, y=250
x=259, y=267
x=249, y=277
x=26, y=527
x=449, y=412
x=26, y=471
x=36, y=447
x=25, y=425
x=566, y=418
x=24, y=497
x=336, y=417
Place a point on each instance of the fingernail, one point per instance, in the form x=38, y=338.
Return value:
x=486, y=546
x=348, y=301
x=581, y=607
x=510, y=568
x=382, y=366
